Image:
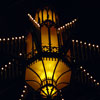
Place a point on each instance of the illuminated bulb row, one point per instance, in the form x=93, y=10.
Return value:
x=23, y=92
x=13, y=38
x=89, y=44
x=9, y=63
x=91, y=77
x=5, y=66
x=32, y=19
x=61, y=95
x=68, y=24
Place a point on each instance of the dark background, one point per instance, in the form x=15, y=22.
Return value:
x=13, y=15
x=13, y=19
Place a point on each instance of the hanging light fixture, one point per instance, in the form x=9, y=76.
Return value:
x=48, y=70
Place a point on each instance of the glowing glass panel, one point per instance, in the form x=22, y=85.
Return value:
x=44, y=15
x=54, y=38
x=50, y=15
x=38, y=79
x=44, y=36
x=40, y=16
x=54, y=18
x=61, y=68
x=36, y=17
x=50, y=65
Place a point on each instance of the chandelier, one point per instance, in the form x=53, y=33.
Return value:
x=48, y=69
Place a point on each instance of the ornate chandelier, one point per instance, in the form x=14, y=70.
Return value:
x=48, y=68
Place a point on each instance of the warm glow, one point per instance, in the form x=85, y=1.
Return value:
x=41, y=73
x=2, y=68
x=81, y=67
x=25, y=86
x=91, y=77
x=85, y=43
x=87, y=73
x=6, y=66
x=16, y=38
x=12, y=38
x=23, y=91
x=54, y=39
x=47, y=74
x=22, y=95
x=81, y=42
x=4, y=39
x=44, y=15
x=36, y=17
x=40, y=16
x=84, y=70
x=9, y=63
x=50, y=15
x=54, y=18
x=72, y=40
x=44, y=36
x=97, y=46
x=89, y=44
x=8, y=39
x=94, y=80
x=93, y=45
x=97, y=83
x=76, y=40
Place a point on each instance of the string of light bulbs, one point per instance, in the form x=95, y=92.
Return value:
x=90, y=76
x=23, y=92
x=85, y=43
x=33, y=20
x=12, y=38
x=67, y=25
x=9, y=63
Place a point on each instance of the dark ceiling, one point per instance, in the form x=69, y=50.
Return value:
x=13, y=15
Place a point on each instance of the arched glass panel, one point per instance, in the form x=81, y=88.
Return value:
x=44, y=15
x=40, y=16
x=54, y=18
x=36, y=17
x=50, y=15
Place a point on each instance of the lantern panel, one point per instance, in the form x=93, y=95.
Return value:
x=30, y=75
x=32, y=79
x=38, y=68
x=61, y=68
x=33, y=84
x=44, y=15
x=40, y=16
x=51, y=91
x=63, y=79
x=54, y=18
x=43, y=78
x=44, y=95
x=49, y=66
x=45, y=90
x=54, y=91
x=36, y=17
x=54, y=38
x=60, y=86
x=50, y=15
x=34, y=48
x=44, y=36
